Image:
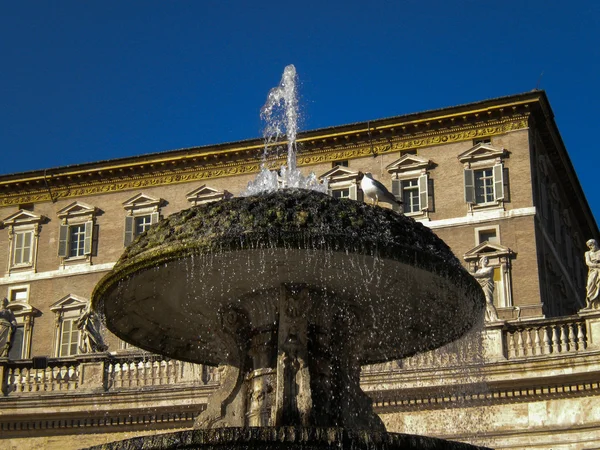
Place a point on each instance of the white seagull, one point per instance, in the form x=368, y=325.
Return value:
x=377, y=191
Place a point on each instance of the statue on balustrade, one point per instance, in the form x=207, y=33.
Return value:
x=592, y=259
x=485, y=277
x=8, y=325
x=91, y=339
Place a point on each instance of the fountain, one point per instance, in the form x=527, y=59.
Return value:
x=289, y=291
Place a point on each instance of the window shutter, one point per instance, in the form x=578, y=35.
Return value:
x=498, y=182
x=89, y=231
x=469, y=186
x=353, y=192
x=397, y=192
x=423, y=192
x=63, y=237
x=129, y=224
x=154, y=218
x=360, y=195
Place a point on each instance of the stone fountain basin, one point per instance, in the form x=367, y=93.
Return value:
x=171, y=290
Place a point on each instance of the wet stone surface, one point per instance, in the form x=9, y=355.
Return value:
x=285, y=438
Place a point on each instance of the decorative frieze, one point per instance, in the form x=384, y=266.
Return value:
x=160, y=176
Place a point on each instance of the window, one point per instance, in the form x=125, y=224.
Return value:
x=342, y=182
x=484, y=186
x=410, y=184
x=339, y=163
x=487, y=235
x=18, y=297
x=499, y=257
x=16, y=350
x=143, y=212
x=23, y=230
x=410, y=195
x=69, y=338
x=484, y=175
x=484, y=140
x=22, y=250
x=75, y=241
x=76, y=232
x=340, y=193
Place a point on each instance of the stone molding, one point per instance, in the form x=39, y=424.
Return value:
x=159, y=175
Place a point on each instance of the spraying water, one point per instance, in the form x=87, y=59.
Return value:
x=280, y=113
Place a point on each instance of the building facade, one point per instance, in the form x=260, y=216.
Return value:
x=491, y=178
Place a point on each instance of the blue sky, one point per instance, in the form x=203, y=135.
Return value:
x=88, y=80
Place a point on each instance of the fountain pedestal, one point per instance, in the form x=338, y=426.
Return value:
x=300, y=370
x=290, y=292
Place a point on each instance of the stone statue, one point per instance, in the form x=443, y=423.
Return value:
x=485, y=277
x=592, y=259
x=91, y=339
x=8, y=325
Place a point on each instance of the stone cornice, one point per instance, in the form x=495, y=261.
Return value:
x=328, y=149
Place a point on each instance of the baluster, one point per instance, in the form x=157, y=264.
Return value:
x=520, y=345
x=48, y=379
x=546, y=341
x=536, y=341
x=36, y=380
x=72, y=377
x=528, y=342
x=564, y=344
x=581, y=343
x=156, y=373
x=43, y=380
x=144, y=373
x=17, y=379
x=62, y=377
x=26, y=373
x=10, y=376
x=133, y=374
x=117, y=375
x=127, y=374
x=512, y=346
x=53, y=378
x=572, y=337
x=555, y=341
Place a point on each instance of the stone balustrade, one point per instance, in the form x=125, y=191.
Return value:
x=24, y=377
x=511, y=340
x=101, y=371
x=545, y=337
x=105, y=372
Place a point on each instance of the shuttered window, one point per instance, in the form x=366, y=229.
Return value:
x=75, y=240
x=137, y=224
x=22, y=248
x=69, y=337
x=413, y=193
x=484, y=185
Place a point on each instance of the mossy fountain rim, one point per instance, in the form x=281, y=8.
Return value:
x=294, y=220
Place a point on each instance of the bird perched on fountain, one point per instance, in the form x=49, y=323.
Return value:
x=376, y=191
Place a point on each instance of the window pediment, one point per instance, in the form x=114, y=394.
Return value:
x=205, y=194
x=77, y=209
x=22, y=217
x=142, y=201
x=488, y=249
x=22, y=308
x=482, y=152
x=409, y=163
x=339, y=174
x=69, y=302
